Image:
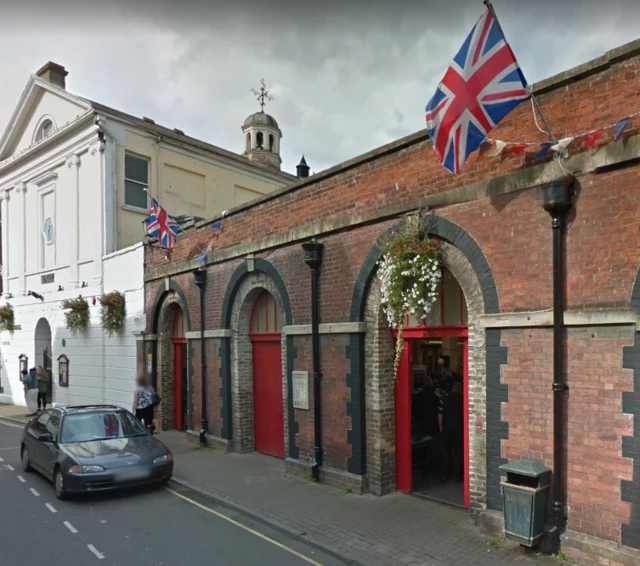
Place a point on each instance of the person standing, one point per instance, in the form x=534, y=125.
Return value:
x=31, y=392
x=143, y=406
x=451, y=422
x=43, y=387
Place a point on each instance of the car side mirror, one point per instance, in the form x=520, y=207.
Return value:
x=45, y=437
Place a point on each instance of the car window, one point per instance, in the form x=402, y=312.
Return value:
x=40, y=425
x=53, y=425
x=100, y=425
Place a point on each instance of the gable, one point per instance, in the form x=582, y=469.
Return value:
x=39, y=102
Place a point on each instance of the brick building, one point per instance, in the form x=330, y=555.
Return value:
x=495, y=323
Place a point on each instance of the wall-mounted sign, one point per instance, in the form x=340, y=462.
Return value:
x=47, y=278
x=300, y=390
x=63, y=371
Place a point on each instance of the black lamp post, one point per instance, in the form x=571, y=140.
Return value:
x=557, y=197
x=313, y=258
x=201, y=282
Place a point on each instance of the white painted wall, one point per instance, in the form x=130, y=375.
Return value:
x=101, y=369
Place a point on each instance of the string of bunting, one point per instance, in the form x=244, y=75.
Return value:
x=590, y=138
x=217, y=227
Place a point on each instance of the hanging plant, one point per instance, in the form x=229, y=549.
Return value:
x=113, y=312
x=7, y=321
x=77, y=313
x=409, y=272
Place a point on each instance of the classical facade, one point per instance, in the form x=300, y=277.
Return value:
x=73, y=175
x=248, y=354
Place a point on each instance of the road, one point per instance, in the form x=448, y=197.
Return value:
x=160, y=527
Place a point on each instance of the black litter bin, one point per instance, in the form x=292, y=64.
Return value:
x=525, y=494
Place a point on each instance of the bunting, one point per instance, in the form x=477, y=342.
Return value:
x=542, y=149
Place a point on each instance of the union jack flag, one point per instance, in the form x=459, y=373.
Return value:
x=111, y=426
x=161, y=225
x=481, y=86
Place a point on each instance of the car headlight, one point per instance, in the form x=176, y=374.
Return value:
x=86, y=469
x=164, y=459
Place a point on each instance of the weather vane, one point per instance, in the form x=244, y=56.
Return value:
x=263, y=94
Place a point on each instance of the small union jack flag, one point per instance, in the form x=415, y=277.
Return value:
x=482, y=85
x=111, y=425
x=161, y=225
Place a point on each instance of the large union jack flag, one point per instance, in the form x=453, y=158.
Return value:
x=161, y=225
x=482, y=85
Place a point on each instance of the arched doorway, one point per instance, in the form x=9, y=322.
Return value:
x=180, y=375
x=433, y=372
x=265, y=334
x=43, y=353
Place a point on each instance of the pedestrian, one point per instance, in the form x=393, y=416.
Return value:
x=43, y=388
x=451, y=421
x=143, y=401
x=29, y=381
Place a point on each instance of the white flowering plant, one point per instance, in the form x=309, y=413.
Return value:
x=409, y=272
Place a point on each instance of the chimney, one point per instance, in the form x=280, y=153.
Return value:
x=303, y=169
x=53, y=73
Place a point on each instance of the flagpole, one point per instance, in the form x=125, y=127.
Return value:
x=179, y=227
x=491, y=9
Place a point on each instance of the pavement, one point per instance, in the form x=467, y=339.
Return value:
x=152, y=526
x=363, y=530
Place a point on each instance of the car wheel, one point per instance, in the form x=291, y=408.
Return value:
x=26, y=463
x=58, y=483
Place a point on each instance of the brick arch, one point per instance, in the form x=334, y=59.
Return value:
x=447, y=231
x=157, y=303
x=261, y=265
x=462, y=256
x=165, y=306
x=240, y=374
x=635, y=293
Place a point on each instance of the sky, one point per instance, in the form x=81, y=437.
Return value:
x=347, y=76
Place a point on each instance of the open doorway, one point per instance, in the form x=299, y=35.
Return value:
x=44, y=354
x=180, y=375
x=432, y=420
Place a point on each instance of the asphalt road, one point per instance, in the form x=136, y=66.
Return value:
x=148, y=527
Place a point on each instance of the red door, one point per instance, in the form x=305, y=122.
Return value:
x=267, y=396
x=178, y=362
x=404, y=479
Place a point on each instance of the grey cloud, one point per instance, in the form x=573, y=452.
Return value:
x=348, y=76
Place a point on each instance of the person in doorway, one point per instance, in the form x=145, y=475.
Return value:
x=31, y=391
x=444, y=374
x=143, y=402
x=451, y=423
x=43, y=387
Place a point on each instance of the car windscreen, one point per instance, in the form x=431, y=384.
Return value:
x=100, y=425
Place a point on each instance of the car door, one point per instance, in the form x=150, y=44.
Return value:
x=50, y=449
x=37, y=450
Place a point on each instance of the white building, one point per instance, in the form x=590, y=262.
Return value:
x=72, y=174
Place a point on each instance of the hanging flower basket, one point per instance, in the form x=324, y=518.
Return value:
x=7, y=321
x=113, y=312
x=77, y=313
x=409, y=272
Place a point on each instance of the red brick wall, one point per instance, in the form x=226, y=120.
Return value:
x=595, y=421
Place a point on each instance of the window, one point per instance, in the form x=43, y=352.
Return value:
x=54, y=424
x=85, y=427
x=266, y=315
x=259, y=140
x=40, y=426
x=45, y=130
x=450, y=307
x=270, y=142
x=136, y=180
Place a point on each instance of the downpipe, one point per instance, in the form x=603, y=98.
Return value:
x=201, y=282
x=557, y=202
x=313, y=258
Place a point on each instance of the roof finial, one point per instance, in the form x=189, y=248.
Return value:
x=262, y=95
